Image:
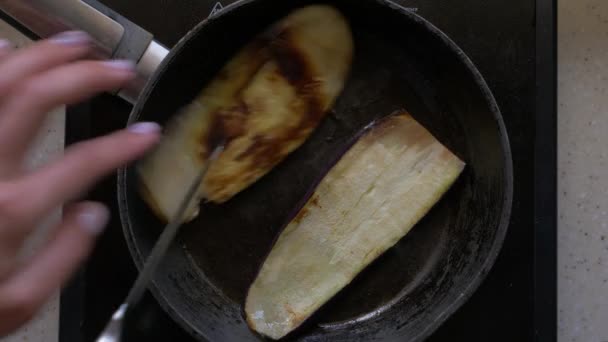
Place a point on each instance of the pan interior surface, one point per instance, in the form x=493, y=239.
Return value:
x=400, y=62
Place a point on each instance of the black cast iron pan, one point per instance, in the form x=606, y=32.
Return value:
x=401, y=61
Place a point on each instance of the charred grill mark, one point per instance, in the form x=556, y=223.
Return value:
x=301, y=214
x=265, y=151
x=233, y=119
x=314, y=201
x=227, y=124
x=295, y=68
x=295, y=317
x=256, y=144
x=292, y=64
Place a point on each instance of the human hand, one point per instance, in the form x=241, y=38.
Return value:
x=33, y=81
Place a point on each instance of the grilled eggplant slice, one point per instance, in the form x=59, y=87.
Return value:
x=265, y=103
x=386, y=182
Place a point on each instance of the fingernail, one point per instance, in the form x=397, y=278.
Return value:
x=71, y=38
x=121, y=64
x=145, y=128
x=94, y=219
x=5, y=44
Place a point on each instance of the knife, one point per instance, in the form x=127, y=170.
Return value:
x=113, y=331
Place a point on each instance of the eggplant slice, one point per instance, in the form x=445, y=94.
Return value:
x=264, y=103
x=386, y=182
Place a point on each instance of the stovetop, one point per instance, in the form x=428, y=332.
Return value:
x=501, y=38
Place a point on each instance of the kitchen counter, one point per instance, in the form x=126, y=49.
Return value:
x=583, y=170
x=49, y=145
x=583, y=176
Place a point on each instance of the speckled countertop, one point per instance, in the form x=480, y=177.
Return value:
x=583, y=170
x=45, y=326
x=583, y=176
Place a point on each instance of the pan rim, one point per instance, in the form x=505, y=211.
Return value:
x=508, y=183
x=505, y=215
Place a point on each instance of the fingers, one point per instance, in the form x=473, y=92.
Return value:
x=23, y=113
x=33, y=81
x=5, y=48
x=41, y=56
x=84, y=164
x=26, y=291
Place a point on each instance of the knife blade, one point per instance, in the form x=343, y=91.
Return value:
x=113, y=330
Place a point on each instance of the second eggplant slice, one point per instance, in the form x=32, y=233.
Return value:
x=265, y=102
x=391, y=177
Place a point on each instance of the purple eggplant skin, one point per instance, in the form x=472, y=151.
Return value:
x=333, y=236
x=313, y=186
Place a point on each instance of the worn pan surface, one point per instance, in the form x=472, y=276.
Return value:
x=401, y=61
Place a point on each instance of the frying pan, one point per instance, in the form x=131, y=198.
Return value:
x=401, y=62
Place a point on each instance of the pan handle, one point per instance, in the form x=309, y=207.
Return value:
x=115, y=36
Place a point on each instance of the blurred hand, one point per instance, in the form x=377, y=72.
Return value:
x=33, y=81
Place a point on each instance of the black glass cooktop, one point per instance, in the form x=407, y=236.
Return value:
x=511, y=42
